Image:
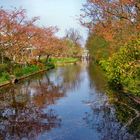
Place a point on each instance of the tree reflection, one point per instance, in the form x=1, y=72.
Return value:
x=116, y=117
x=127, y=112
x=69, y=77
x=47, y=93
x=97, y=78
x=102, y=119
x=24, y=111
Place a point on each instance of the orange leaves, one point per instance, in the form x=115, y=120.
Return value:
x=127, y=2
x=138, y=26
x=115, y=20
x=19, y=36
x=14, y=31
x=106, y=31
x=45, y=42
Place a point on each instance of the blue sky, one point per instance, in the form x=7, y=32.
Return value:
x=61, y=13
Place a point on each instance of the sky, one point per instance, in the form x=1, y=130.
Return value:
x=60, y=13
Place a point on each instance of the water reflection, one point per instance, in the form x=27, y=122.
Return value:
x=24, y=108
x=24, y=112
x=68, y=103
x=127, y=112
x=102, y=118
x=116, y=115
x=97, y=78
x=68, y=77
x=71, y=77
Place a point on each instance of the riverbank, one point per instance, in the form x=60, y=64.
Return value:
x=15, y=78
x=63, y=61
x=20, y=73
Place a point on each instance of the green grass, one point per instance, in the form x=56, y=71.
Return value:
x=63, y=60
x=18, y=72
x=4, y=77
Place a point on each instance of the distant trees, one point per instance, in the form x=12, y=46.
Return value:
x=73, y=35
x=73, y=40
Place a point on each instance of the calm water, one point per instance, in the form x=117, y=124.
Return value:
x=67, y=103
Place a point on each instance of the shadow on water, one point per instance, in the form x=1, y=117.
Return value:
x=118, y=117
x=71, y=102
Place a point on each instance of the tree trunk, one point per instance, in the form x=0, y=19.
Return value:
x=137, y=5
x=2, y=58
x=47, y=58
x=14, y=58
x=39, y=58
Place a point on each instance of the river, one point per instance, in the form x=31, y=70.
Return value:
x=71, y=102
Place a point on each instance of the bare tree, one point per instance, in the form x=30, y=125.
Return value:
x=73, y=35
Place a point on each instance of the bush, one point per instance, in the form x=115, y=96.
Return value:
x=104, y=64
x=123, y=68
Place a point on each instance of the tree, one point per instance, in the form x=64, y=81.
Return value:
x=73, y=35
x=73, y=40
x=117, y=23
x=98, y=47
x=47, y=44
x=114, y=20
x=15, y=32
x=124, y=67
x=21, y=40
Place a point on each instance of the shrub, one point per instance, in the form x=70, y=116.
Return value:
x=104, y=64
x=123, y=67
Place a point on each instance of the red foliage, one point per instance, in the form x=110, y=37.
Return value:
x=21, y=39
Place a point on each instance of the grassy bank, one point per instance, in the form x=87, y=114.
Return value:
x=19, y=71
x=59, y=61
x=8, y=71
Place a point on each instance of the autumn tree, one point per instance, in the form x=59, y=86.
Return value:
x=15, y=32
x=114, y=20
x=118, y=23
x=21, y=40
